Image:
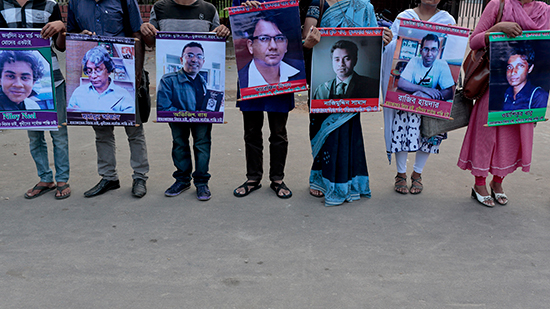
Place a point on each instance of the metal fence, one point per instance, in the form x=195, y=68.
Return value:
x=468, y=13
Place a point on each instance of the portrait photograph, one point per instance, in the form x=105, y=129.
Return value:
x=100, y=80
x=346, y=73
x=519, y=75
x=190, y=77
x=268, y=50
x=27, y=93
x=26, y=80
x=425, y=68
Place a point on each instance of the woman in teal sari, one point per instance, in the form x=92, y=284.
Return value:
x=339, y=171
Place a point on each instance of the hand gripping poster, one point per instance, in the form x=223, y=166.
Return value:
x=27, y=97
x=190, y=77
x=518, y=82
x=268, y=49
x=425, y=67
x=351, y=83
x=100, y=80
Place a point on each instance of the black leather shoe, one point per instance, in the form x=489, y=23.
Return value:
x=103, y=186
x=138, y=188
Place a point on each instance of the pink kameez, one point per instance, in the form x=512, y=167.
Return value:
x=500, y=150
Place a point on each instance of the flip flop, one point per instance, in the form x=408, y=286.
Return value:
x=60, y=189
x=42, y=190
x=254, y=184
x=277, y=187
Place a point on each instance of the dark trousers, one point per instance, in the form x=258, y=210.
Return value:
x=181, y=152
x=278, y=144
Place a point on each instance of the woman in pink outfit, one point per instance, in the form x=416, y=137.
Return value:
x=499, y=150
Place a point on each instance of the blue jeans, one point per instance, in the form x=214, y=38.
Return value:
x=181, y=152
x=60, y=140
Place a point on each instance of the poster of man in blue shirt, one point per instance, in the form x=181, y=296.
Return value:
x=185, y=90
x=100, y=94
x=522, y=94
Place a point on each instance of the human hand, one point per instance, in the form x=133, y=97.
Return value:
x=512, y=29
x=252, y=4
x=313, y=37
x=387, y=37
x=52, y=28
x=148, y=30
x=88, y=32
x=222, y=31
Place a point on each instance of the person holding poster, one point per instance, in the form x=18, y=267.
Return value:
x=271, y=46
x=522, y=94
x=499, y=150
x=105, y=18
x=347, y=83
x=339, y=171
x=187, y=87
x=101, y=95
x=402, y=128
x=11, y=16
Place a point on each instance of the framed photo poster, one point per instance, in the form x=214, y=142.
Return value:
x=190, y=77
x=100, y=80
x=425, y=68
x=27, y=95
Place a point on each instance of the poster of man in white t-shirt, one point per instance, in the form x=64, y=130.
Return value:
x=425, y=67
x=427, y=76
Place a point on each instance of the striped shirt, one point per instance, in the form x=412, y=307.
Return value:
x=34, y=14
x=200, y=16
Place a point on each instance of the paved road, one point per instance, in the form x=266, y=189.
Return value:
x=439, y=249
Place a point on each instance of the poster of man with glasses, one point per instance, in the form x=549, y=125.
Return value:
x=100, y=80
x=190, y=77
x=426, y=66
x=268, y=49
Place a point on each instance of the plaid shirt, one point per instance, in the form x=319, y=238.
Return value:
x=34, y=14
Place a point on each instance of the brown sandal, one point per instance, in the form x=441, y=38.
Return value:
x=416, y=184
x=402, y=189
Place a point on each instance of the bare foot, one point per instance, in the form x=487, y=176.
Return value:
x=32, y=192
x=482, y=190
x=249, y=184
x=401, y=183
x=416, y=186
x=282, y=192
x=316, y=193
x=497, y=188
x=64, y=192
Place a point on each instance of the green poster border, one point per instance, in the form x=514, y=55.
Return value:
x=526, y=35
x=516, y=117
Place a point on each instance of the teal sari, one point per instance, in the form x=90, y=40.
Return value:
x=339, y=167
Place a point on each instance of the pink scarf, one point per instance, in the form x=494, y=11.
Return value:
x=537, y=19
